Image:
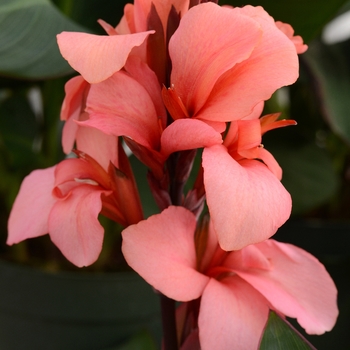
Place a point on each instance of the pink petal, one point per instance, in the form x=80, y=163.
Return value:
x=270, y=162
x=297, y=285
x=72, y=102
x=110, y=30
x=273, y=64
x=31, y=209
x=199, y=60
x=250, y=257
x=127, y=23
x=120, y=106
x=74, y=226
x=232, y=315
x=103, y=148
x=98, y=57
x=246, y=201
x=83, y=169
x=256, y=113
x=148, y=79
x=184, y=134
x=161, y=249
x=249, y=134
x=72, y=109
x=297, y=40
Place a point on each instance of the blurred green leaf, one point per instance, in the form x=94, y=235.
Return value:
x=87, y=13
x=308, y=174
x=18, y=130
x=330, y=69
x=279, y=335
x=28, y=47
x=306, y=17
x=141, y=341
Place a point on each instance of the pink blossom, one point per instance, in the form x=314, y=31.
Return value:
x=217, y=78
x=240, y=61
x=246, y=199
x=65, y=201
x=224, y=76
x=236, y=289
x=70, y=217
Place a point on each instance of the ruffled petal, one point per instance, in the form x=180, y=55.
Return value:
x=31, y=209
x=199, y=60
x=297, y=40
x=272, y=64
x=232, y=315
x=98, y=57
x=296, y=284
x=246, y=201
x=74, y=226
x=185, y=134
x=80, y=170
x=161, y=249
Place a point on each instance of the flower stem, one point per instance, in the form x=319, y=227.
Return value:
x=169, y=323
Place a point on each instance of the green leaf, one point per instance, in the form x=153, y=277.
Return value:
x=28, y=46
x=306, y=17
x=279, y=335
x=18, y=130
x=308, y=174
x=141, y=341
x=329, y=66
x=88, y=12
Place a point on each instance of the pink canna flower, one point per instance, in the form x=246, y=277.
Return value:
x=219, y=84
x=248, y=203
x=240, y=61
x=65, y=201
x=236, y=289
x=214, y=79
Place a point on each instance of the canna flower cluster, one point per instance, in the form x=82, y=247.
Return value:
x=174, y=77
